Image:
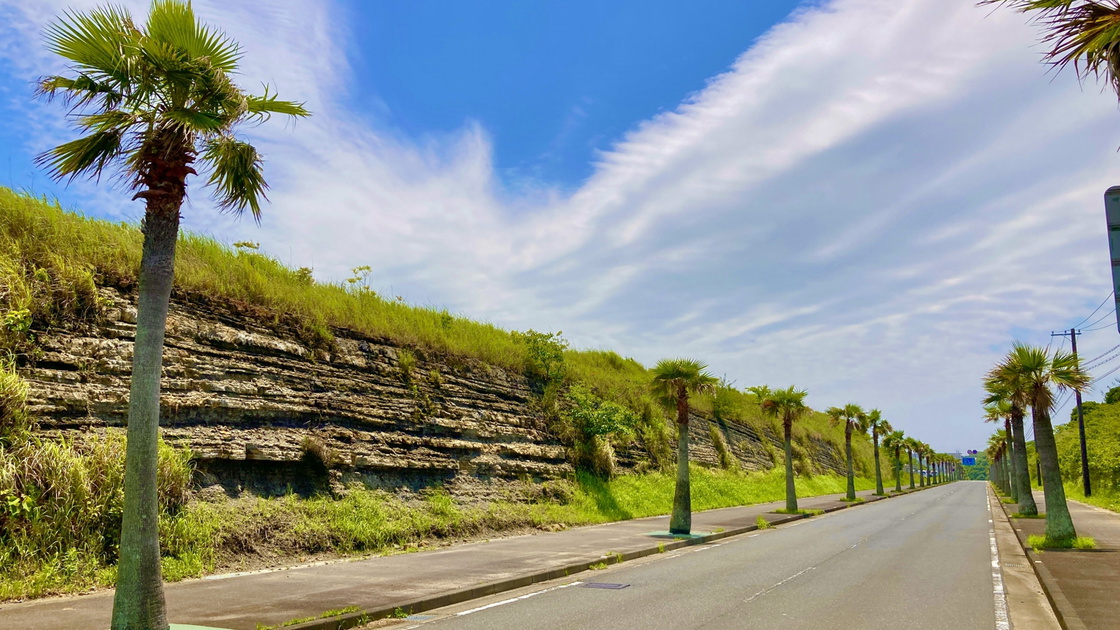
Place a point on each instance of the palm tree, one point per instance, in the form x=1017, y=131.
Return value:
x=789, y=405
x=996, y=409
x=1017, y=400
x=151, y=101
x=1034, y=370
x=878, y=427
x=674, y=380
x=894, y=442
x=1081, y=32
x=853, y=418
x=997, y=442
x=911, y=445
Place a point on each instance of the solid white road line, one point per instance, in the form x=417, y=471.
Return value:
x=515, y=599
x=1002, y=617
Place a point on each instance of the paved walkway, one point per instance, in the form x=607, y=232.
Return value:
x=1083, y=586
x=417, y=581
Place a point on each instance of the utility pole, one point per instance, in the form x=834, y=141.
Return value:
x=1086, y=485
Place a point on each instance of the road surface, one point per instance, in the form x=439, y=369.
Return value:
x=918, y=561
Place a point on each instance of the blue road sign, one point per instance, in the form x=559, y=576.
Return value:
x=968, y=461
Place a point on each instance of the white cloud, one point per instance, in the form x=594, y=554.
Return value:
x=867, y=204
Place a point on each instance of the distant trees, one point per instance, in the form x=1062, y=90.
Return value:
x=894, y=442
x=674, y=381
x=787, y=405
x=152, y=101
x=878, y=427
x=853, y=418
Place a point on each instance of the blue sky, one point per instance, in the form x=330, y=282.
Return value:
x=870, y=199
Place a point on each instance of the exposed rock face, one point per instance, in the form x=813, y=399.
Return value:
x=266, y=413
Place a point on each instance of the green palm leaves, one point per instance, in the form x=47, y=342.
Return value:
x=853, y=418
x=150, y=99
x=788, y=405
x=674, y=381
x=1085, y=33
x=875, y=423
x=894, y=442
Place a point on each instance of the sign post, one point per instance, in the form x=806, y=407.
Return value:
x=1112, y=214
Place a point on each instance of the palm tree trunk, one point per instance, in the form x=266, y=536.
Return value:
x=897, y=470
x=921, y=471
x=910, y=454
x=1059, y=524
x=848, y=453
x=138, y=603
x=791, y=489
x=681, y=521
x=878, y=474
x=1027, y=505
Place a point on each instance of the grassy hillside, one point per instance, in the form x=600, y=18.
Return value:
x=51, y=262
x=1102, y=438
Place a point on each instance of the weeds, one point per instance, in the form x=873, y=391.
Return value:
x=1040, y=543
x=762, y=523
x=598, y=566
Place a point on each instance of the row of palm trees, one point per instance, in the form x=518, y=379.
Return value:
x=676, y=381
x=1029, y=376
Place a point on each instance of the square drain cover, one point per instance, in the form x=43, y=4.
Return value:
x=606, y=585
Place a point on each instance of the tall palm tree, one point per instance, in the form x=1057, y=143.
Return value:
x=911, y=446
x=894, y=442
x=1081, y=32
x=997, y=442
x=674, y=381
x=1036, y=371
x=853, y=418
x=789, y=405
x=998, y=409
x=151, y=101
x=878, y=427
x=1017, y=400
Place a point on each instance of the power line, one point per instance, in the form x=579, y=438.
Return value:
x=1094, y=311
x=1094, y=359
x=1097, y=364
x=1103, y=317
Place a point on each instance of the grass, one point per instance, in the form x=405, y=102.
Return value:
x=853, y=501
x=1040, y=543
x=762, y=523
x=598, y=566
x=1018, y=515
x=201, y=537
x=1105, y=498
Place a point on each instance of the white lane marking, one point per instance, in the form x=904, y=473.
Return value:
x=1002, y=617
x=515, y=599
x=768, y=589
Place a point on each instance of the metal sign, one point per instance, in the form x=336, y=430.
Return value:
x=1112, y=214
x=968, y=461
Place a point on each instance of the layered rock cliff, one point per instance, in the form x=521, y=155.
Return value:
x=265, y=412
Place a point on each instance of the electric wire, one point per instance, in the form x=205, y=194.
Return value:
x=1105, y=300
x=1096, y=364
x=1102, y=318
x=1094, y=359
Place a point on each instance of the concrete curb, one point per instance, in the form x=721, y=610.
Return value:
x=1063, y=610
x=431, y=602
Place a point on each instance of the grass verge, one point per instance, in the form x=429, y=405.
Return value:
x=1040, y=543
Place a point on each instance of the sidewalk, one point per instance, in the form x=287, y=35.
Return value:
x=414, y=582
x=1083, y=586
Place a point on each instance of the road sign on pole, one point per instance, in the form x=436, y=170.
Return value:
x=968, y=461
x=1112, y=214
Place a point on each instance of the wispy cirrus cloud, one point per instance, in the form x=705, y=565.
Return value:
x=866, y=203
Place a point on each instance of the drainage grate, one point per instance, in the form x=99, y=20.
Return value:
x=419, y=617
x=605, y=585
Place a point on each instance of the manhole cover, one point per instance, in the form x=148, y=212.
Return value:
x=606, y=585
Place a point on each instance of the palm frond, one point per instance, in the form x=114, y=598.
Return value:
x=262, y=107
x=88, y=155
x=79, y=91
x=99, y=42
x=193, y=121
x=236, y=173
x=173, y=23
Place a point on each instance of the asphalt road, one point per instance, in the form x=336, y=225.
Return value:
x=918, y=561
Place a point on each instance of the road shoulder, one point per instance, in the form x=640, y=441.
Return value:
x=1027, y=602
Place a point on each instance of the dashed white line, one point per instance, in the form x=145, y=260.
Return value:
x=1002, y=617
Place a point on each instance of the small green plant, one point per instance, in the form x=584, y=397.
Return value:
x=598, y=566
x=762, y=523
x=660, y=547
x=852, y=501
x=727, y=460
x=718, y=530
x=1039, y=543
x=1018, y=515
x=435, y=379
x=406, y=363
x=399, y=613
x=805, y=511
x=544, y=354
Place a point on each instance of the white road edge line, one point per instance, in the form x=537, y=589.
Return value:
x=1002, y=616
x=515, y=599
